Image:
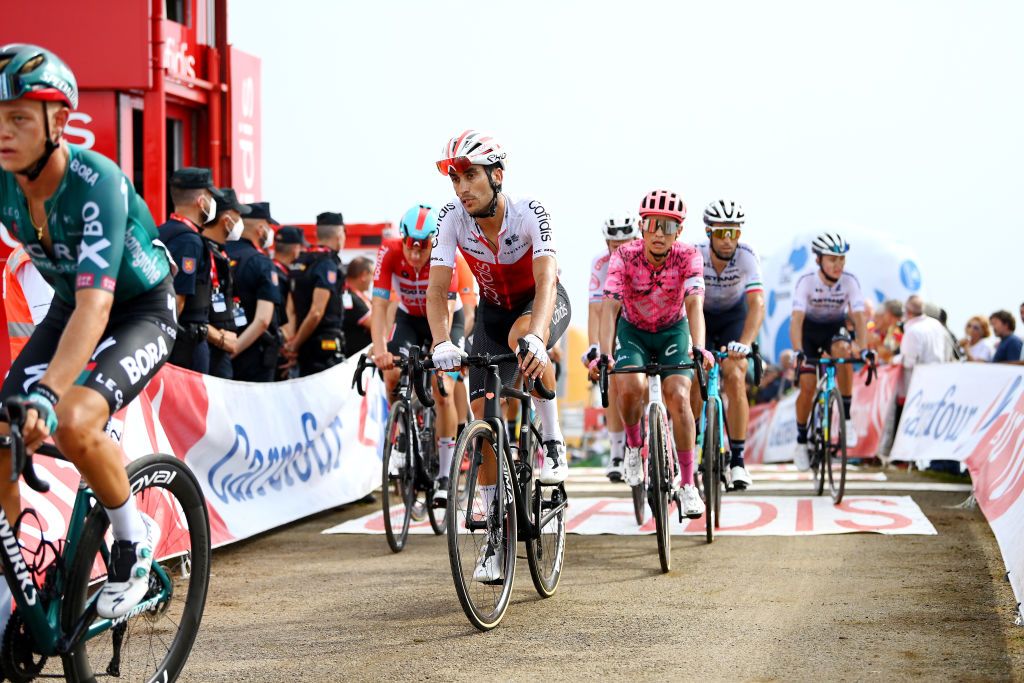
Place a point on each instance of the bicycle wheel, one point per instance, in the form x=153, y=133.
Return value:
x=640, y=498
x=398, y=491
x=154, y=643
x=661, y=484
x=712, y=474
x=471, y=525
x=546, y=553
x=835, y=446
x=818, y=454
x=431, y=464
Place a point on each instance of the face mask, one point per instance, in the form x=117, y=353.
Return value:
x=211, y=212
x=235, y=231
x=268, y=241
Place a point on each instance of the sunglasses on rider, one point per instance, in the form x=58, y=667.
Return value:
x=458, y=164
x=624, y=231
x=414, y=243
x=667, y=226
x=725, y=233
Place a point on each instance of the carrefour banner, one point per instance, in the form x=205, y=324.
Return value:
x=974, y=413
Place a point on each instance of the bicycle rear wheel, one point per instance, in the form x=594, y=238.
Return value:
x=151, y=643
x=835, y=445
x=661, y=484
x=818, y=453
x=545, y=553
x=398, y=492
x=712, y=473
x=431, y=465
x=472, y=524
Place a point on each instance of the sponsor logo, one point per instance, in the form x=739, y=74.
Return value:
x=147, y=264
x=85, y=173
x=450, y=206
x=941, y=420
x=108, y=283
x=561, y=310
x=495, y=157
x=13, y=551
x=485, y=278
x=543, y=220
x=188, y=265
x=158, y=478
x=85, y=280
x=144, y=360
x=137, y=610
x=60, y=83
x=511, y=238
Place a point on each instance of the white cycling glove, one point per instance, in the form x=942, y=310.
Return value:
x=592, y=354
x=536, y=347
x=447, y=356
x=738, y=347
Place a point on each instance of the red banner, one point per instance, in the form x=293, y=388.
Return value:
x=245, y=91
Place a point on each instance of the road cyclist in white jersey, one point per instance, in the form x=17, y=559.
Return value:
x=821, y=302
x=617, y=230
x=733, y=310
x=510, y=247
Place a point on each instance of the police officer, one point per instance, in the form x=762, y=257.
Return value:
x=316, y=292
x=195, y=203
x=221, y=333
x=288, y=245
x=256, y=286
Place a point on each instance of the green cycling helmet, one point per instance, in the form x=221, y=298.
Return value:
x=35, y=73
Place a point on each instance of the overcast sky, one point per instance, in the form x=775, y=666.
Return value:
x=904, y=117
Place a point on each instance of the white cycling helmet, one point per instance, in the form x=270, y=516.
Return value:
x=830, y=243
x=471, y=147
x=621, y=227
x=724, y=211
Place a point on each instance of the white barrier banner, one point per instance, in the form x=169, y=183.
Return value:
x=974, y=413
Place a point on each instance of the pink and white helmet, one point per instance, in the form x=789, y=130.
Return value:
x=663, y=203
x=471, y=147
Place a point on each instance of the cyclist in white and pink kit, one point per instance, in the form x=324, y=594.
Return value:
x=658, y=285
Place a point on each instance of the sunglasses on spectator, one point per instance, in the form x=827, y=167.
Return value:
x=458, y=164
x=974, y=326
x=667, y=226
x=726, y=233
x=414, y=243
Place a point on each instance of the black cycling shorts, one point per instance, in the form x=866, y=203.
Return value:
x=490, y=335
x=723, y=327
x=818, y=338
x=413, y=331
x=135, y=344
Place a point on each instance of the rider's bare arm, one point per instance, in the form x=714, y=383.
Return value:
x=860, y=326
x=594, y=313
x=438, y=314
x=609, y=313
x=379, y=325
x=695, y=314
x=80, y=338
x=755, y=317
x=545, y=277
x=796, y=330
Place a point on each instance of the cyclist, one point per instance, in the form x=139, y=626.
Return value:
x=510, y=247
x=403, y=266
x=734, y=310
x=617, y=231
x=821, y=301
x=658, y=285
x=112, y=323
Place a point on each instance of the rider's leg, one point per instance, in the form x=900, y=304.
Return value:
x=446, y=420
x=676, y=390
x=630, y=388
x=734, y=379
x=804, y=401
x=487, y=475
x=547, y=409
x=461, y=405
x=844, y=375
x=391, y=378
x=613, y=419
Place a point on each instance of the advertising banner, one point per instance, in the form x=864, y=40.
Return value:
x=245, y=94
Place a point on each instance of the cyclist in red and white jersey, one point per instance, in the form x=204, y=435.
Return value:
x=618, y=230
x=509, y=245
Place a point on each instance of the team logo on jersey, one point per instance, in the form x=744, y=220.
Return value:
x=108, y=283
x=85, y=280
x=188, y=265
x=332, y=276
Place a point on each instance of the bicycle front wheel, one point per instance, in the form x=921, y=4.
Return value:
x=835, y=445
x=152, y=643
x=661, y=484
x=478, y=528
x=712, y=474
x=398, y=478
x=818, y=452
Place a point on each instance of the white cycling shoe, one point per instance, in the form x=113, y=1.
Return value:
x=555, y=469
x=128, y=576
x=490, y=568
x=693, y=506
x=634, y=467
x=802, y=457
x=740, y=477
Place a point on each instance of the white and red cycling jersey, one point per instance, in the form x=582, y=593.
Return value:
x=505, y=272
x=393, y=273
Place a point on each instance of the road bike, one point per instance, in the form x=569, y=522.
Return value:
x=713, y=473
x=55, y=584
x=826, y=429
x=409, y=459
x=660, y=466
x=522, y=510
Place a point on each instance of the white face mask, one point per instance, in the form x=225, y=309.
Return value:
x=211, y=212
x=235, y=231
x=268, y=241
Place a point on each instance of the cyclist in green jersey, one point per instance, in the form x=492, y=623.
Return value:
x=112, y=322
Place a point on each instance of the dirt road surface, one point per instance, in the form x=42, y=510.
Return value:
x=295, y=605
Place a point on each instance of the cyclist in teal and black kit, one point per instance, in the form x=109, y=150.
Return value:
x=112, y=322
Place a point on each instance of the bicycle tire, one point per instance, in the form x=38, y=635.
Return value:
x=818, y=454
x=164, y=476
x=640, y=501
x=836, y=448
x=397, y=493
x=432, y=464
x=658, y=454
x=484, y=604
x=712, y=475
x=546, y=553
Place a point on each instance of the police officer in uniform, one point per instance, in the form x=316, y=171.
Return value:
x=221, y=334
x=195, y=203
x=256, y=286
x=316, y=292
x=288, y=245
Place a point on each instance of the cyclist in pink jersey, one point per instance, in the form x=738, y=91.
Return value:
x=658, y=285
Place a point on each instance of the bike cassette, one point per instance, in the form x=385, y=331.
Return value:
x=17, y=660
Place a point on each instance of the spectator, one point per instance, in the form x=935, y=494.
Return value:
x=222, y=334
x=887, y=337
x=195, y=203
x=925, y=339
x=975, y=344
x=1009, y=347
x=771, y=382
x=356, y=301
x=288, y=245
x=255, y=356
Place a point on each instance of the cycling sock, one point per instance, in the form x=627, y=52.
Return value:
x=634, y=437
x=488, y=494
x=126, y=523
x=736, y=445
x=801, y=432
x=847, y=402
x=445, y=449
x=548, y=411
x=618, y=440
x=686, y=466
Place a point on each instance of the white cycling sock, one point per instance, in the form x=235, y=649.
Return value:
x=5, y=605
x=549, y=427
x=618, y=440
x=126, y=523
x=445, y=449
x=488, y=493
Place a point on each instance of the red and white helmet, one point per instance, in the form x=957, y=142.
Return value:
x=663, y=203
x=471, y=147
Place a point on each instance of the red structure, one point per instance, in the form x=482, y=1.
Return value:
x=160, y=86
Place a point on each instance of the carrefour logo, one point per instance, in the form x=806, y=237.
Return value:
x=910, y=276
